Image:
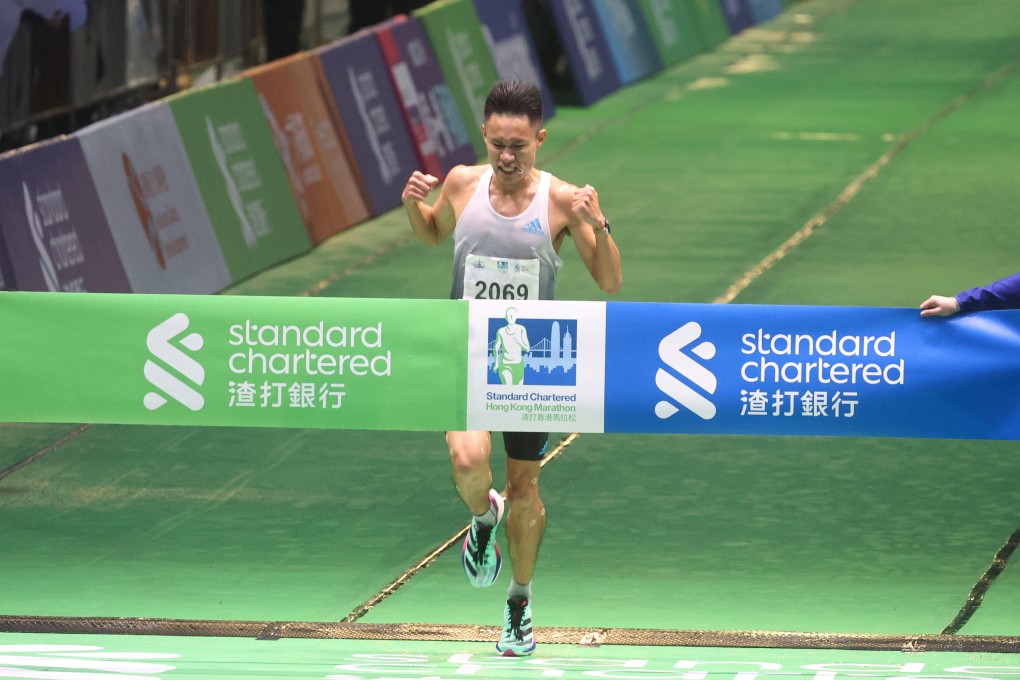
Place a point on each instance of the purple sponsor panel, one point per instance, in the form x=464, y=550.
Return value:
x=591, y=64
x=429, y=108
x=152, y=203
x=738, y=15
x=53, y=223
x=6, y=275
x=513, y=50
x=369, y=116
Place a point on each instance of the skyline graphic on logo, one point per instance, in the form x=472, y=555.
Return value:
x=160, y=343
x=531, y=351
x=671, y=352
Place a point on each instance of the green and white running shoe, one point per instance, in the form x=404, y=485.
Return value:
x=480, y=554
x=518, y=638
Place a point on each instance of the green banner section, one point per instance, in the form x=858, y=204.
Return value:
x=373, y=364
x=674, y=27
x=239, y=172
x=710, y=21
x=455, y=33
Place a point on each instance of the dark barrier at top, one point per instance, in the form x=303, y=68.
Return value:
x=591, y=64
x=629, y=39
x=325, y=180
x=430, y=112
x=505, y=28
x=368, y=116
x=152, y=203
x=53, y=223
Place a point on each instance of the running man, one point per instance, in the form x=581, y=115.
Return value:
x=508, y=209
x=511, y=345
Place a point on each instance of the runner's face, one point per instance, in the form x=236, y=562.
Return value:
x=512, y=142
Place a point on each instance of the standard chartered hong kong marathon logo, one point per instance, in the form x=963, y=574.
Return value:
x=672, y=353
x=160, y=342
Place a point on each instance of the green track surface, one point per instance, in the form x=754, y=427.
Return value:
x=705, y=170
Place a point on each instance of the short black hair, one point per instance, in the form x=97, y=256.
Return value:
x=515, y=97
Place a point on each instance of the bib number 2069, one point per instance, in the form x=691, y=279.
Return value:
x=494, y=291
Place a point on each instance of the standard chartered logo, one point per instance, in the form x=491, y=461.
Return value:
x=672, y=353
x=160, y=342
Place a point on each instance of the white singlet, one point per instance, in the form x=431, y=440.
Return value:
x=504, y=258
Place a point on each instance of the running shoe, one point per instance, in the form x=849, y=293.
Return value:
x=518, y=638
x=480, y=554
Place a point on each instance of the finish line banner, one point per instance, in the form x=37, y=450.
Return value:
x=508, y=365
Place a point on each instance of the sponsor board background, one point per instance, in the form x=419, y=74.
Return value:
x=71, y=247
x=367, y=114
x=152, y=203
x=455, y=33
x=325, y=180
x=241, y=177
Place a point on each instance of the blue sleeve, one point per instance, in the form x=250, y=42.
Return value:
x=1002, y=294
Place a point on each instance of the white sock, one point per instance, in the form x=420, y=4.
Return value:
x=518, y=590
x=488, y=518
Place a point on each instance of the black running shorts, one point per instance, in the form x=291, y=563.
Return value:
x=525, y=445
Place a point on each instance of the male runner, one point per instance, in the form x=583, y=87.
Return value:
x=508, y=209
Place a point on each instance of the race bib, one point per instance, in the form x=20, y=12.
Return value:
x=494, y=278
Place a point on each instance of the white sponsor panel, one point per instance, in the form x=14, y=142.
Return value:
x=151, y=200
x=536, y=366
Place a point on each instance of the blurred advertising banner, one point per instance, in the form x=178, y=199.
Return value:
x=505, y=27
x=763, y=10
x=368, y=115
x=322, y=174
x=240, y=175
x=591, y=63
x=455, y=33
x=6, y=273
x=629, y=39
x=427, y=104
x=674, y=28
x=152, y=203
x=737, y=14
x=54, y=228
x=512, y=365
x=233, y=360
x=711, y=22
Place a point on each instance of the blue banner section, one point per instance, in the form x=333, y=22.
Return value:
x=832, y=371
x=629, y=39
x=763, y=10
x=505, y=28
x=585, y=44
x=738, y=15
x=359, y=84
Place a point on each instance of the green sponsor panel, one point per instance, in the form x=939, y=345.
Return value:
x=674, y=27
x=242, y=180
x=455, y=33
x=375, y=364
x=710, y=22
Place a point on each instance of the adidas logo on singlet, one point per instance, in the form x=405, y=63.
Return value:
x=533, y=227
